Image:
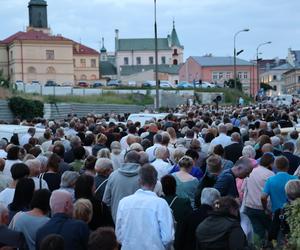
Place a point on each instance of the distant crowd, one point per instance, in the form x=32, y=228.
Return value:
x=203, y=178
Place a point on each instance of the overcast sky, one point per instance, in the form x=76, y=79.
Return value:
x=203, y=26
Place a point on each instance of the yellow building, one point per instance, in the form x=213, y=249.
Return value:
x=38, y=56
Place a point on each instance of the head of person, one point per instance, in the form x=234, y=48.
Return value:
x=4, y=214
x=103, y=166
x=53, y=163
x=19, y=170
x=52, y=242
x=186, y=164
x=161, y=153
x=31, y=131
x=59, y=149
x=165, y=138
x=115, y=147
x=3, y=144
x=214, y=165
x=147, y=177
x=89, y=163
x=190, y=134
x=181, y=142
x=193, y=154
x=178, y=154
x=266, y=148
x=68, y=179
x=263, y=139
x=282, y=164
x=13, y=153
x=103, y=238
x=235, y=137
x=292, y=189
x=75, y=141
x=209, y=137
x=249, y=151
x=79, y=153
x=137, y=147
x=226, y=206
x=40, y=200
x=289, y=147
x=195, y=145
x=242, y=168
x=171, y=132
x=103, y=153
x=83, y=210
x=294, y=135
x=267, y=160
x=157, y=139
x=23, y=195
x=60, y=132
x=61, y=202
x=168, y=183
x=101, y=139
x=84, y=187
x=222, y=129
x=34, y=166
x=89, y=139
x=144, y=158
x=132, y=157
x=219, y=150
x=209, y=196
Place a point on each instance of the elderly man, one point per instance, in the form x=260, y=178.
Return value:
x=74, y=232
x=145, y=208
x=103, y=168
x=161, y=164
x=157, y=140
x=226, y=182
x=122, y=182
x=187, y=239
x=234, y=151
x=34, y=166
x=9, y=238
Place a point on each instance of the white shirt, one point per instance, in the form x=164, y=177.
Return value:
x=36, y=180
x=25, y=139
x=8, y=165
x=144, y=221
x=7, y=195
x=46, y=145
x=123, y=142
x=151, y=151
x=163, y=168
x=3, y=154
x=222, y=139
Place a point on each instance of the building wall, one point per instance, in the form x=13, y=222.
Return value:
x=28, y=61
x=87, y=72
x=4, y=60
x=292, y=81
x=275, y=79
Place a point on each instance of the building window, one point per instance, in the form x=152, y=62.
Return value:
x=221, y=75
x=49, y=54
x=274, y=77
x=245, y=75
x=151, y=60
x=82, y=63
x=175, y=53
x=31, y=70
x=83, y=77
x=50, y=70
x=163, y=60
x=11, y=55
x=215, y=75
x=175, y=62
x=74, y=63
x=11, y=71
x=93, y=63
x=138, y=60
x=240, y=75
x=126, y=61
x=228, y=75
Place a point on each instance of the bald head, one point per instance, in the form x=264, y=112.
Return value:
x=61, y=202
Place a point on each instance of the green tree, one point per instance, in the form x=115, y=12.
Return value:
x=3, y=81
x=265, y=86
x=230, y=84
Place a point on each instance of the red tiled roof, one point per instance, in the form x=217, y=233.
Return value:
x=79, y=49
x=33, y=35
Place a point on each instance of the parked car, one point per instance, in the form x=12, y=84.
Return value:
x=98, y=84
x=144, y=117
x=83, y=84
x=132, y=83
x=166, y=84
x=34, y=82
x=113, y=83
x=51, y=83
x=205, y=85
x=19, y=83
x=184, y=85
x=149, y=84
x=67, y=84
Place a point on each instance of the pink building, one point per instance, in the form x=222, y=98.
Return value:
x=218, y=70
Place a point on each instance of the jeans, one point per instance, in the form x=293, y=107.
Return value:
x=260, y=221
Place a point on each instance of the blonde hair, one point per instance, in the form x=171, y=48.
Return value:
x=103, y=153
x=83, y=210
x=101, y=138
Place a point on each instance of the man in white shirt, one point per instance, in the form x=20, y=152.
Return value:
x=160, y=164
x=3, y=153
x=222, y=139
x=123, y=141
x=25, y=138
x=157, y=139
x=145, y=221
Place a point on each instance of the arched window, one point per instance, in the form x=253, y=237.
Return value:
x=83, y=77
x=51, y=70
x=175, y=62
x=93, y=77
x=31, y=70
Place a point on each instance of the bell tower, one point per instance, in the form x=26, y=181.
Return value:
x=38, y=14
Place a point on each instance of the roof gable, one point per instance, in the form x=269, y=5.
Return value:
x=219, y=61
x=80, y=49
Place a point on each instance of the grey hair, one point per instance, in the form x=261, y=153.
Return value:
x=68, y=178
x=136, y=146
x=103, y=164
x=249, y=151
x=132, y=157
x=209, y=196
x=75, y=141
x=3, y=144
x=103, y=153
x=160, y=152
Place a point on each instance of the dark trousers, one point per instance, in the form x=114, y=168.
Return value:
x=260, y=221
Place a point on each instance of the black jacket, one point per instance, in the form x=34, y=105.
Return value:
x=11, y=238
x=207, y=181
x=294, y=161
x=233, y=151
x=220, y=232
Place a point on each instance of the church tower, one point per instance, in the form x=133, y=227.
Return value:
x=38, y=15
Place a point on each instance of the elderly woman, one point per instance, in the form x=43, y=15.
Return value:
x=101, y=140
x=103, y=153
x=116, y=157
x=103, y=168
x=68, y=180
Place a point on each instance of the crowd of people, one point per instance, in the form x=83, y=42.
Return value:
x=204, y=179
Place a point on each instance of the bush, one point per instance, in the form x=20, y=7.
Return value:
x=26, y=109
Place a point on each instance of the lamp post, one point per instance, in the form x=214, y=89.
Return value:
x=234, y=54
x=257, y=59
x=156, y=60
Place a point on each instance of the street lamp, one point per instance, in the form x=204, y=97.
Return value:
x=234, y=54
x=257, y=59
x=156, y=60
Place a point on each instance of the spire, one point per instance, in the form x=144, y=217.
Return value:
x=174, y=37
x=103, y=49
x=38, y=14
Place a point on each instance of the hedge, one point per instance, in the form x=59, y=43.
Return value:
x=26, y=109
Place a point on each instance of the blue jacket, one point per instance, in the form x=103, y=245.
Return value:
x=74, y=232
